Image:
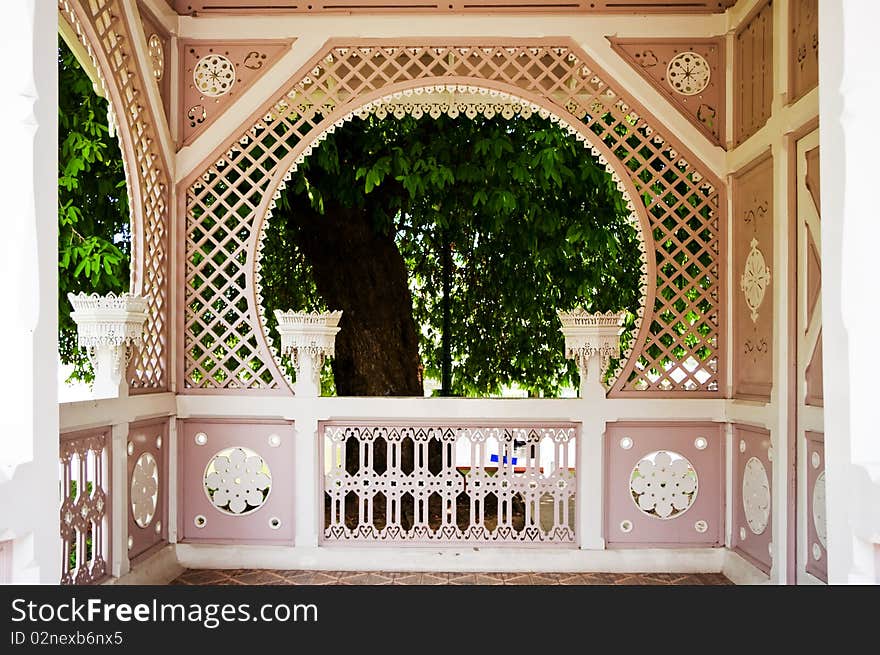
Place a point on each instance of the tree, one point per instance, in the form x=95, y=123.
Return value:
x=451, y=243
x=93, y=219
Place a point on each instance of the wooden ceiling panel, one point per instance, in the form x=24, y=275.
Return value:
x=196, y=7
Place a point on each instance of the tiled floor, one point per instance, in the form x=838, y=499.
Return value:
x=265, y=577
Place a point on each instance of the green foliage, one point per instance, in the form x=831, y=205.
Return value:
x=93, y=218
x=535, y=226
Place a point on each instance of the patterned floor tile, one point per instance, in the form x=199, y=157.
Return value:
x=517, y=579
x=298, y=577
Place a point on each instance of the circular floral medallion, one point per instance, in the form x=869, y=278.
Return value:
x=688, y=73
x=819, y=509
x=756, y=495
x=214, y=75
x=237, y=481
x=144, y=490
x=663, y=485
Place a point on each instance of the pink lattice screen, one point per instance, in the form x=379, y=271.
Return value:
x=678, y=346
x=101, y=27
x=85, y=506
x=447, y=483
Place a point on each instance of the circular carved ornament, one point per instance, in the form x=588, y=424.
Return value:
x=156, y=53
x=214, y=75
x=688, y=73
x=237, y=481
x=756, y=495
x=819, y=509
x=663, y=485
x=144, y=489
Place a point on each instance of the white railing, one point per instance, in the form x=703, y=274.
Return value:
x=449, y=482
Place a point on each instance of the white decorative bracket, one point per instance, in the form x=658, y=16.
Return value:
x=308, y=338
x=109, y=328
x=591, y=340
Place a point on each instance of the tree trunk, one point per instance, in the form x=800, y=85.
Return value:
x=362, y=273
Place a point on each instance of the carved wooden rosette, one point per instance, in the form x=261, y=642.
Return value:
x=308, y=339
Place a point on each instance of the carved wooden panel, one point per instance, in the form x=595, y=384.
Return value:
x=688, y=72
x=753, y=73
x=753, y=277
x=752, y=495
x=159, y=55
x=816, y=555
x=213, y=74
x=678, y=351
x=803, y=55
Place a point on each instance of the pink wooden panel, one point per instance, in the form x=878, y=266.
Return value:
x=803, y=55
x=247, y=61
x=751, y=443
x=753, y=279
x=220, y=435
x=816, y=555
x=816, y=377
x=147, y=439
x=651, y=59
x=158, y=58
x=753, y=73
x=702, y=524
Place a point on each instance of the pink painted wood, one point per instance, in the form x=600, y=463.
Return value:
x=817, y=566
x=148, y=439
x=626, y=445
x=748, y=443
x=753, y=326
x=650, y=58
x=85, y=506
x=250, y=61
x=271, y=522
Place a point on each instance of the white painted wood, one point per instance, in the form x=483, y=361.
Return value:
x=29, y=279
x=648, y=560
x=850, y=92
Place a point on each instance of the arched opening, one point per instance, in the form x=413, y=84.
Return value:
x=451, y=226
x=95, y=231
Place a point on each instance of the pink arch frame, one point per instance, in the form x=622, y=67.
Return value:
x=590, y=141
x=647, y=119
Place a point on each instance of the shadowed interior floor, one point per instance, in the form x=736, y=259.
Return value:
x=267, y=577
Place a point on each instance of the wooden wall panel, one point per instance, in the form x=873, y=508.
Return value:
x=753, y=280
x=803, y=54
x=753, y=73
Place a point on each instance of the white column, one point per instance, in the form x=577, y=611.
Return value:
x=849, y=92
x=28, y=272
x=307, y=467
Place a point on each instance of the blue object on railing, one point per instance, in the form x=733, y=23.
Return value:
x=494, y=458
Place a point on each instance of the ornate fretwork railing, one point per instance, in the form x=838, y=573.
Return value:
x=85, y=506
x=438, y=483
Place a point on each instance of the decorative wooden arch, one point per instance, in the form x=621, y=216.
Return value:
x=226, y=199
x=103, y=31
